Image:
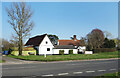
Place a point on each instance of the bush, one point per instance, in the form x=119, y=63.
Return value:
x=118, y=48
x=61, y=52
x=109, y=43
x=70, y=51
x=98, y=50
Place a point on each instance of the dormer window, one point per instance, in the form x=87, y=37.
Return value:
x=46, y=42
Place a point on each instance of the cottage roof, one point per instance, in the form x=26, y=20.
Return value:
x=64, y=47
x=72, y=42
x=35, y=41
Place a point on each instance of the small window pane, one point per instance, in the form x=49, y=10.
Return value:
x=46, y=42
x=48, y=49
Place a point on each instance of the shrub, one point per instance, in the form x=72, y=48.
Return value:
x=61, y=52
x=118, y=48
x=70, y=51
x=109, y=43
x=98, y=50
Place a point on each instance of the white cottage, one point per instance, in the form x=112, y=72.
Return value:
x=43, y=45
x=78, y=44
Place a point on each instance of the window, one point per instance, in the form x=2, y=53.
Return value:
x=46, y=42
x=48, y=49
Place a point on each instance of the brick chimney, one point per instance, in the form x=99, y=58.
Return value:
x=74, y=36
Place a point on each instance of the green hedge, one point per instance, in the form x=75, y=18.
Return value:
x=61, y=52
x=70, y=51
x=98, y=50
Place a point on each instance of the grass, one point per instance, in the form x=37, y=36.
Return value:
x=110, y=75
x=68, y=57
x=1, y=61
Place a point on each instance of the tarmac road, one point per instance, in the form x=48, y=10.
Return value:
x=71, y=68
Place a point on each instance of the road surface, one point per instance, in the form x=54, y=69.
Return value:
x=73, y=68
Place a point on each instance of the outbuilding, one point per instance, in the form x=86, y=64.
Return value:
x=66, y=49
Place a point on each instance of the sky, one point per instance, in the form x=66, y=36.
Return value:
x=66, y=19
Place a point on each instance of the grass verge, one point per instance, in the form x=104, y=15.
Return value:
x=68, y=57
x=110, y=75
x=2, y=61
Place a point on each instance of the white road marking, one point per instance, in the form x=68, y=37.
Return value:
x=101, y=70
x=77, y=72
x=90, y=71
x=63, y=74
x=112, y=69
x=48, y=75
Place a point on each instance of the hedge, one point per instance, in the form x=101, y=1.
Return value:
x=61, y=52
x=98, y=50
x=70, y=51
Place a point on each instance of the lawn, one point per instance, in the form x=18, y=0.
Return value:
x=68, y=57
x=110, y=75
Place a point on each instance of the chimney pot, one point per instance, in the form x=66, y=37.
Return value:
x=74, y=37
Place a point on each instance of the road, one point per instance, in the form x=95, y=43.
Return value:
x=73, y=68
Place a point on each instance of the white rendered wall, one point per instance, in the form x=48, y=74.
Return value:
x=75, y=51
x=82, y=48
x=43, y=46
x=66, y=51
x=56, y=51
x=88, y=52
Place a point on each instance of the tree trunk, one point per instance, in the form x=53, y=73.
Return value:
x=20, y=45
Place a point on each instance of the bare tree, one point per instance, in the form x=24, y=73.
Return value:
x=95, y=39
x=20, y=20
x=6, y=44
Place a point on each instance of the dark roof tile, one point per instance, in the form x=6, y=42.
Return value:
x=35, y=41
x=72, y=42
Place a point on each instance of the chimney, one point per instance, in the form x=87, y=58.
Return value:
x=74, y=36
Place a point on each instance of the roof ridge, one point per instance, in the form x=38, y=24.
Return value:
x=73, y=40
x=63, y=39
x=39, y=35
x=36, y=40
